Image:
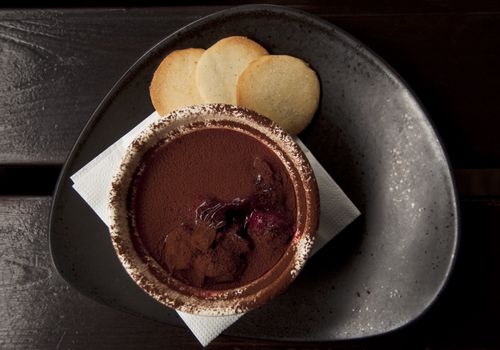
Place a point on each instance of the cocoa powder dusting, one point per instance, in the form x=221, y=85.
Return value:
x=214, y=207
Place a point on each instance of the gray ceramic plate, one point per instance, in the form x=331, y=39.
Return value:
x=371, y=134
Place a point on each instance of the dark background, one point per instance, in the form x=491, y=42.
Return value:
x=58, y=62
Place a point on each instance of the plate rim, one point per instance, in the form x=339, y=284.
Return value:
x=347, y=38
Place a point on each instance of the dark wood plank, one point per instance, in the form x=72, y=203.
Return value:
x=478, y=182
x=339, y=6
x=56, y=65
x=39, y=310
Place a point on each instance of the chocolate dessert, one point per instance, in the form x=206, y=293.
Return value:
x=214, y=207
x=214, y=210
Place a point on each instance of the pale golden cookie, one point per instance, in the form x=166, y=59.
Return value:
x=282, y=88
x=220, y=66
x=174, y=85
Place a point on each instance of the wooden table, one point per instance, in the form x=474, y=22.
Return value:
x=55, y=67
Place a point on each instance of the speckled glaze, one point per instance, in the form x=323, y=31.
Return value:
x=370, y=133
x=150, y=276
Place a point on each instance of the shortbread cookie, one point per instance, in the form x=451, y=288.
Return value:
x=174, y=85
x=282, y=88
x=220, y=66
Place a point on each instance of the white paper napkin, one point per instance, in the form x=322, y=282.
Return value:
x=93, y=183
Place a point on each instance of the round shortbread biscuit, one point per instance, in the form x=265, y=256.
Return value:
x=174, y=85
x=282, y=88
x=220, y=66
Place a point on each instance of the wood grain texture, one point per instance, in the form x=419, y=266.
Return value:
x=40, y=311
x=57, y=65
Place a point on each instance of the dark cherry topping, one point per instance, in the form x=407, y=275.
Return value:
x=215, y=208
x=212, y=247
